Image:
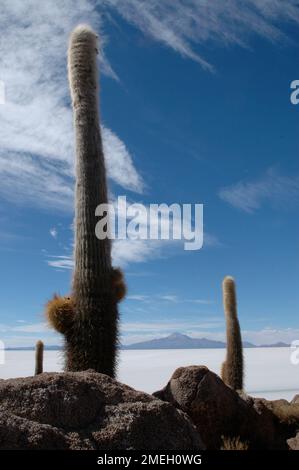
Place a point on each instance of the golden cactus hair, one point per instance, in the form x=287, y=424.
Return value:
x=60, y=313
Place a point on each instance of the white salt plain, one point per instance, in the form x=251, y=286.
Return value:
x=269, y=371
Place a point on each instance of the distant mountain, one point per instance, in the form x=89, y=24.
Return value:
x=180, y=341
x=173, y=341
x=246, y=344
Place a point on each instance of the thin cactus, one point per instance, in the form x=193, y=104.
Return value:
x=232, y=368
x=88, y=319
x=39, y=357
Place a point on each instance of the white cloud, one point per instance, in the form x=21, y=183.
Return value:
x=30, y=328
x=200, y=301
x=160, y=221
x=21, y=340
x=124, y=252
x=182, y=25
x=271, y=335
x=23, y=334
x=139, y=298
x=273, y=188
x=131, y=332
x=53, y=232
x=167, y=326
x=61, y=262
x=119, y=162
x=134, y=249
x=169, y=298
x=152, y=298
x=33, y=181
x=36, y=155
x=129, y=251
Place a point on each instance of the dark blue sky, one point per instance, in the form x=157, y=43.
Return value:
x=227, y=138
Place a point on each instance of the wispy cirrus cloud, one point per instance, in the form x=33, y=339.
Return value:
x=129, y=251
x=135, y=249
x=273, y=188
x=119, y=162
x=124, y=252
x=36, y=155
x=25, y=328
x=168, y=298
x=138, y=297
x=183, y=25
x=60, y=261
x=271, y=335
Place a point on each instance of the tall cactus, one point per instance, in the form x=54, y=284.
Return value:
x=88, y=318
x=232, y=368
x=39, y=357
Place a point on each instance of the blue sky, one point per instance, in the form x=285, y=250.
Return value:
x=193, y=111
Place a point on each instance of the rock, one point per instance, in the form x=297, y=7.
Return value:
x=219, y=411
x=19, y=433
x=295, y=399
x=286, y=415
x=88, y=410
x=294, y=442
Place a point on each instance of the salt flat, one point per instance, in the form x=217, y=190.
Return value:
x=269, y=371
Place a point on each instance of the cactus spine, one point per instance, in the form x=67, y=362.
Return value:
x=88, y=319
x=232, y=368
x=39, y=357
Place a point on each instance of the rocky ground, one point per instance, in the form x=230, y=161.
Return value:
x=87, y=410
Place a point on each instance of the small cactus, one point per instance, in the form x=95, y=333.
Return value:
x=232, y=368
x=39, y=357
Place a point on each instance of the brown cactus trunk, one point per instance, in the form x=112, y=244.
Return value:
x=39, y=357
x=232, y=368
x=91, y=343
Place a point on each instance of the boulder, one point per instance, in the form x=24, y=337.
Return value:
x=88, y=410
x=218, y=411
x=295, y=399
x=286, y=417
x=294, y=442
